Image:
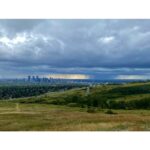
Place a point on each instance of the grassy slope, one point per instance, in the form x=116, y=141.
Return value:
x=128, y=92
x=37, y=114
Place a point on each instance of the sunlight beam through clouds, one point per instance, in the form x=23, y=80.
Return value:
x=69, y=76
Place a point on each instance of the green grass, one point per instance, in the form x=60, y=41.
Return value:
x=72, y=113
x=130, y=96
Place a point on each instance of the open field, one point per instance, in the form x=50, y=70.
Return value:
x=44, y=117
x=103, y=108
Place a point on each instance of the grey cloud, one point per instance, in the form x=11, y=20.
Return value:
x=85, y=44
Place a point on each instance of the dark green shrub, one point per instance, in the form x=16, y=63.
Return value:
x=95, y=103
x=139, y=104
x=91, y=110
x=109, y=111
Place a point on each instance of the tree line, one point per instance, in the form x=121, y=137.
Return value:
x=8, y=92
x=108, y=99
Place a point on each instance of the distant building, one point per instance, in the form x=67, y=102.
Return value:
x=37, y=79
x=29, y=78
x=33, y=78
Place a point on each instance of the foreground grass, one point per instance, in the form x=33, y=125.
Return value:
x=46, y=117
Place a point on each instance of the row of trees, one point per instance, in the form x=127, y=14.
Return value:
x=131, y=90
x=7, y=92
x=98, y=102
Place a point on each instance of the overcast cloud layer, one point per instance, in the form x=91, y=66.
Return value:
x=104, y=49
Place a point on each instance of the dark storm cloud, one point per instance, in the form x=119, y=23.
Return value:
x=14, y=26
x=75, y=46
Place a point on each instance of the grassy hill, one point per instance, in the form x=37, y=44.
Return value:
x=129, y=96
x=102, y=108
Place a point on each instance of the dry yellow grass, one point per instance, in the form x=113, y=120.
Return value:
x=42, y=117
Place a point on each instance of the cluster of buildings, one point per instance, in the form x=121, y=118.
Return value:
x=38, y=79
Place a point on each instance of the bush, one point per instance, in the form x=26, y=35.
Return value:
x=110, y=112
x=139, y=104
x=91, y=110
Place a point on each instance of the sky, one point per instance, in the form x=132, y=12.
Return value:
x=75, y=48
